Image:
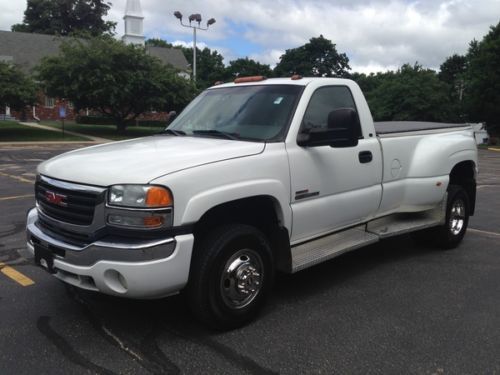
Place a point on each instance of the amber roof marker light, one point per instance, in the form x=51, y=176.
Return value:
x=250, y=79
x=195, y=17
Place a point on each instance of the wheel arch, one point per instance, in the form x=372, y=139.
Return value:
x=464, y=174
x=261, y=211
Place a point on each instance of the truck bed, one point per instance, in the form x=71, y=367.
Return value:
x=391, y=127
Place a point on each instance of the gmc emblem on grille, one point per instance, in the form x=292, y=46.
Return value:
x=54, y=198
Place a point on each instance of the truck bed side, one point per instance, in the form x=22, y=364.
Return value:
x=417, y=166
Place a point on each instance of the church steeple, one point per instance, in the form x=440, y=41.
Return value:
x=134, y=32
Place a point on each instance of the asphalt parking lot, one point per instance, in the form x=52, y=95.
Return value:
x=393, y=307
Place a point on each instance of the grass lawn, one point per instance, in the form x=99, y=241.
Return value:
x=105, y=131
x=12, y=131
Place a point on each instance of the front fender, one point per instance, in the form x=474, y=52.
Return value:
x=204, y=201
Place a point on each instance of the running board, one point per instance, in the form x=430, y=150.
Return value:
x=325, y=248
x=397, y=224
x=319, y=250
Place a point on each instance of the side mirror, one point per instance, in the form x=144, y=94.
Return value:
x=171, y=117
x=343, y=131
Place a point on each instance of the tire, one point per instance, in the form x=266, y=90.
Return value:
x=231, y=275
x=450, y=234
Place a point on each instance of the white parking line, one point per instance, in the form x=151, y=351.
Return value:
x=18, y=178
x=15, y=197
x=494, y=234
x=485, y=186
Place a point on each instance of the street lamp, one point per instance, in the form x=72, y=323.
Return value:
x=196, y=17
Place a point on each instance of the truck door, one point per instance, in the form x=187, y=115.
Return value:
x=332, y=187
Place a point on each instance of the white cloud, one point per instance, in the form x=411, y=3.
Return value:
x=188, y=44
x=375, y=34
x=270, y=57
x=11, y=12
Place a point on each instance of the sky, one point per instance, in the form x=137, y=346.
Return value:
x=376, y=35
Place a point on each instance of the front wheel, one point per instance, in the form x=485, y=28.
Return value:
x=231, y=275
x=450, y=234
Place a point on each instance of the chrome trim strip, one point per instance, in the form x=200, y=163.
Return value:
x=167, y=209
x=35, y=231
x=72, y=186
x=423, y=132
x=132, y=246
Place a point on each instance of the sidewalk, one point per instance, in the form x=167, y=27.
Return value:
x=92, y=138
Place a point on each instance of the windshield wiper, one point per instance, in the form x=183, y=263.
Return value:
x=173, y=132
x=233, y=136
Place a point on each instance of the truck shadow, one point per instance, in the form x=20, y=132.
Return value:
x=287, y=288
x=151, y=328
x=386, y=253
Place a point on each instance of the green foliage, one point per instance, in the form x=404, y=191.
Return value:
x=453, y=69
x=246, y=67
x=16, y=89
x=209, y=65
x=409, y=94
x=318, y=58
x=66, y=17
x=452, y=72
x=482, y=93
x=369, y=82
x=156, y=42
x=119, y=81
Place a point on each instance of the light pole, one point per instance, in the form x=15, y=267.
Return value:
x=194, y=18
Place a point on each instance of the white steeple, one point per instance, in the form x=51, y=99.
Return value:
x=134, y=32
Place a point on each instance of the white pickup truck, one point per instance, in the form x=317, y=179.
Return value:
x=253, y=176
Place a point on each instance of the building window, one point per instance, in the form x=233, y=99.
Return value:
x=50, y=102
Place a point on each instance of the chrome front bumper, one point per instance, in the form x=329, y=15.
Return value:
x=123, y=267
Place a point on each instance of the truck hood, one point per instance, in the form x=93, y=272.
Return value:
x=141, y=160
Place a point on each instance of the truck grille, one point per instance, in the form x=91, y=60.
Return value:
x=66, y=205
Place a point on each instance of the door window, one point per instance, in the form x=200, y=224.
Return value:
x=323, y=101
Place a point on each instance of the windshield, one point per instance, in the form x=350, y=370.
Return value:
x=258, y=113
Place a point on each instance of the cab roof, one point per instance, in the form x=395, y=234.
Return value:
x=304, y=81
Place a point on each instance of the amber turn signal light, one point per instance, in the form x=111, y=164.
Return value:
x=153, y=221
x=158, y=197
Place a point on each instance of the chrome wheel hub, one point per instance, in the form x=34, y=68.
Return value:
x=457, y=217
x=241, y=279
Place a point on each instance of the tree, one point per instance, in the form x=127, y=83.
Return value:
x=209, y=65
x=118, y=80
x=453, y=69
x=483, y=78
x=452, y=72
x=66, y=17
x=16, y=89
x=156, y=42
x=318, y=58
x=410, y=94
x=369, y=82
x=246, y=67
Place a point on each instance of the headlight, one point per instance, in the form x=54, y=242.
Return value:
x=139, y=196
x=139, y=206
